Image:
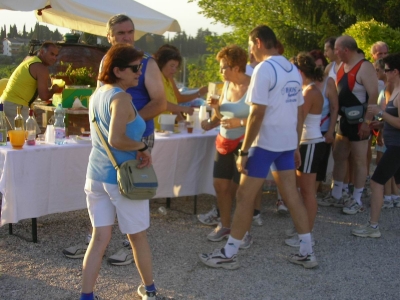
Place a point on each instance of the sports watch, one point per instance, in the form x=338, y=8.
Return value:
x=242, y=153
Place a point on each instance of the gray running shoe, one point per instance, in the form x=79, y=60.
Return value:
x=396, y=202
x=217, y=259
x=329, y=200
x=219, y=233
x=281, y=207
x=366, y=231
x=77, y=251
x=247, y=241
x=388, y=204
x=294, y=241
x=210, y=218
x=257, y=221
x=309, y=261
x=352, y=208
x=122, y=257
x=291, y=231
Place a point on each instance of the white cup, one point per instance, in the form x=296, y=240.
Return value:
x=49, y=135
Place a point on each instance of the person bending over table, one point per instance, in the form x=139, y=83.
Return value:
x=169, y=60
x=231, y=112
x=28, y=81
x=123, y=128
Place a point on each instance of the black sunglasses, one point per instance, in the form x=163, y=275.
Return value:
x=135, y=68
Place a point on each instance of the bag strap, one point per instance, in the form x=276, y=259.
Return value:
x=105, y=144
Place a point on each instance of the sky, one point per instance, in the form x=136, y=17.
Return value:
x=182, y=11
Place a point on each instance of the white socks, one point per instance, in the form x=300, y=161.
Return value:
x=232, y=246
x=337, y=189
x=357, y=193
x=305, y=244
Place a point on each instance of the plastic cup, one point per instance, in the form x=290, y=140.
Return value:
x=17, y=138
x=40, y=139
x=214, y=99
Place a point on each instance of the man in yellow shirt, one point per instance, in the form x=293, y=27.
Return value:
x=30, y=80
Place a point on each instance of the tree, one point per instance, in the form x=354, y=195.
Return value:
x=368, y=32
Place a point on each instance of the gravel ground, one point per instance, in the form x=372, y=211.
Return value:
x=349, y=267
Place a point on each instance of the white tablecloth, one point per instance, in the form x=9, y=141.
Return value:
x=46, y=179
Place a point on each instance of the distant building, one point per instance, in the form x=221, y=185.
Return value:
x=12, y=46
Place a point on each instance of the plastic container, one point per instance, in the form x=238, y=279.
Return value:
x=59, y=125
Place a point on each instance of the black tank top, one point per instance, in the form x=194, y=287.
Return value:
x=391, y=135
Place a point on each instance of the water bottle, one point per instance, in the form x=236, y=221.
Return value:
x=31, y=129
x=59, y=125
x=3, y=127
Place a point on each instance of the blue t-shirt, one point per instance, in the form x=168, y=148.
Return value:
x=100, y=167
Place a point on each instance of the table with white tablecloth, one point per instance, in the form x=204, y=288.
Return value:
x=45, y=179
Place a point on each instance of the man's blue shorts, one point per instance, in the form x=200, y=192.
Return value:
x=260, y=160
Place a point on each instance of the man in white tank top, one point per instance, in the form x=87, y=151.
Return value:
x=334, y=61
x=272, y=135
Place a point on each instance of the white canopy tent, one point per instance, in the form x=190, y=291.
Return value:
x=91, y=15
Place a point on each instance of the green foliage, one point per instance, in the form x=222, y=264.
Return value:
x=367, y=33
x=79, y=76
x=6, y=70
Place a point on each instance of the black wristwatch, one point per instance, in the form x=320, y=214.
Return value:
x=144, y=148
x=243, y=153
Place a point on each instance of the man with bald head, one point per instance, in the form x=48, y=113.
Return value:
x=357, y=85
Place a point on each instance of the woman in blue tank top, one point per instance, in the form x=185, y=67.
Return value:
x=231, y=113
x=122, y=128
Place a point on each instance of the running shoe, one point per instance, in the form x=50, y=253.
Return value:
x=352, y=208
x=247, y=241
x=210, y=218
x=294, y=241
x=257, y=221
x=281, y=207
x=291, y=232
x=309, y=261
x=388, y=204
x=366, y=231
x=217, y=259
x=329, y=200
x=77, y=251
x=219, y=233
x=122, y=257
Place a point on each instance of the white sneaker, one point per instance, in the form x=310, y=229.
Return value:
x=291, y=232
x=257, y=221
x=247, y=241
x=123, y=257
x=210, y=218
x=281, y=207
x=387, y=204
x=295, y=242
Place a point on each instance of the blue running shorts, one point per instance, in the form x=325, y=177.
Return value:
x=260, y=160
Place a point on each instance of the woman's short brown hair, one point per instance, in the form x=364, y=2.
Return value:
x=234, y=56
x=120, y=56
x=166, y=53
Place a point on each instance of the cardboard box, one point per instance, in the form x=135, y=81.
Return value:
x=67, y=97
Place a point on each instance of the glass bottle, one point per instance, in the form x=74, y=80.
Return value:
x=31, y=129
x=59, y=125
x=3, y=127
x=19, y=120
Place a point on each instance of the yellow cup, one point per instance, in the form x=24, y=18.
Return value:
x=17, y=138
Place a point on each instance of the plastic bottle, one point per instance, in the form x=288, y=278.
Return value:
x=31, y=129
x=19, y=121
x=59, y=125
x=3, y=127
x=162, y=210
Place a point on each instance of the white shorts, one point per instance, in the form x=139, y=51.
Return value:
x=104, y=202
